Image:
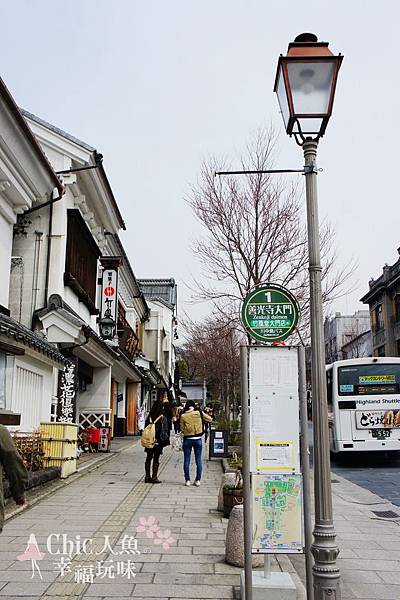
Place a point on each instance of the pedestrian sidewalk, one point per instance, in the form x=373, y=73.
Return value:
x=369, y=558
x=179, y=548
x=178, y=554
x=85, y=463
x=90, y=459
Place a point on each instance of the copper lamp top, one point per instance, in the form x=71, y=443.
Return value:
x=307, y=44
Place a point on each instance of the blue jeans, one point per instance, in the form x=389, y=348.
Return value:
x=197, y=446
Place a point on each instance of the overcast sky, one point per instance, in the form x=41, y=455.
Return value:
x=157, y=85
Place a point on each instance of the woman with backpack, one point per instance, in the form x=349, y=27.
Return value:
x=154, y=438
x=192, y=428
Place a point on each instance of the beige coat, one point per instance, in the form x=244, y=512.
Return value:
x=191, y=423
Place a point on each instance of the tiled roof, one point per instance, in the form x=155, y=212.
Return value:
x=159, y=289
x=6, y=96
x=57, y=130
x=20, y=333
x=84, y=145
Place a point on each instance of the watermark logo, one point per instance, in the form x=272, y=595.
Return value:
x=33, y=554
x=153, y=531
x=110, y=560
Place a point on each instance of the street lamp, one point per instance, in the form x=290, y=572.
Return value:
x=107, y=326
x=305, y=85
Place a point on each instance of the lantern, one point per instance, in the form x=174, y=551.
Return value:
x=305, y=84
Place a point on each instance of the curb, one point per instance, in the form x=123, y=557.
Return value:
x=80, y=472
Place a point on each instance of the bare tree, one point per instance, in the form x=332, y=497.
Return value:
x=255, y=232
x=211, y=352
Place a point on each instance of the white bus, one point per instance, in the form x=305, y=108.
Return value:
x=364, y=404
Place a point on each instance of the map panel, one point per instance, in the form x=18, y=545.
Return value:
x=277, y=514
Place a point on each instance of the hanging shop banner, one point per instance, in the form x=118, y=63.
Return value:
x=109, y=294
x=67, y=390
x=274, y=409
x=109, y=287
x=277, y=514
x=270, y=313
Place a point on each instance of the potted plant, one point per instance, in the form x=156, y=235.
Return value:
x=233, y=493
x=235, y=461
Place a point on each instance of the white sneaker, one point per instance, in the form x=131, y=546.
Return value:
x=197, y=483
x=187, y=483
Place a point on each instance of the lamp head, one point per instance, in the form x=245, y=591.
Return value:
x=107, y=326
x=305, y=84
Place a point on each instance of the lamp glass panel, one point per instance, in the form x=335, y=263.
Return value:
x=310, y=84
x=311, y=126
x=282, y=98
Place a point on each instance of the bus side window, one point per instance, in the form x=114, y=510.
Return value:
x=329, y=389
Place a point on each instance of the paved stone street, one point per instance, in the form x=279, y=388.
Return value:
x=377, y=473
x=110, y=501
x=182, y=557
x=369, y=558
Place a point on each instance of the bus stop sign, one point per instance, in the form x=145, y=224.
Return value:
x=270, y=313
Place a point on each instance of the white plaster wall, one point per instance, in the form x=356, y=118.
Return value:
x=6, y=231
x=58, y=247
x=150, y=344
x=2, y=380
x=23, y=305
x=97, y=395
x=161, y=318
x=132, y=317
x=122, y=404
x=72, y=300
x=32, y=401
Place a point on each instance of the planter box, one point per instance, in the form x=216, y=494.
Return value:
x=232, y=497
x=35, y=479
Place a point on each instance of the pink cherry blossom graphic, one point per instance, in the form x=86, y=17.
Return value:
x=148, y=526
x=152, y=530
x=164, y=538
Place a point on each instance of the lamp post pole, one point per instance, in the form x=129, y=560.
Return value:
x=326, y=574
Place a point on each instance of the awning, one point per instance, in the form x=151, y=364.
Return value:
x=123, y=368
x=70, y=332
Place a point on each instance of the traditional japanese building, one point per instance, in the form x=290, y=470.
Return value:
x=80, y=229
x=160, y=331
x=29, y=364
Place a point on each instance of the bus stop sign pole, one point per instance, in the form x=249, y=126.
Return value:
x=247, y=520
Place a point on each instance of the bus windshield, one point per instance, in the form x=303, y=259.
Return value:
x=361, y=380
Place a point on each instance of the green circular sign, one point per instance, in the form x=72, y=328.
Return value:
x=270, y=313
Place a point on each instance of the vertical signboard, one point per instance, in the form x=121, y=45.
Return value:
x=274, y=450
x=109, y=294
x=274, y=410
x=67, y=391
x=218, y=445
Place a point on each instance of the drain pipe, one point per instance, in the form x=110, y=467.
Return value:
x=49, y=238
x=36, y=265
